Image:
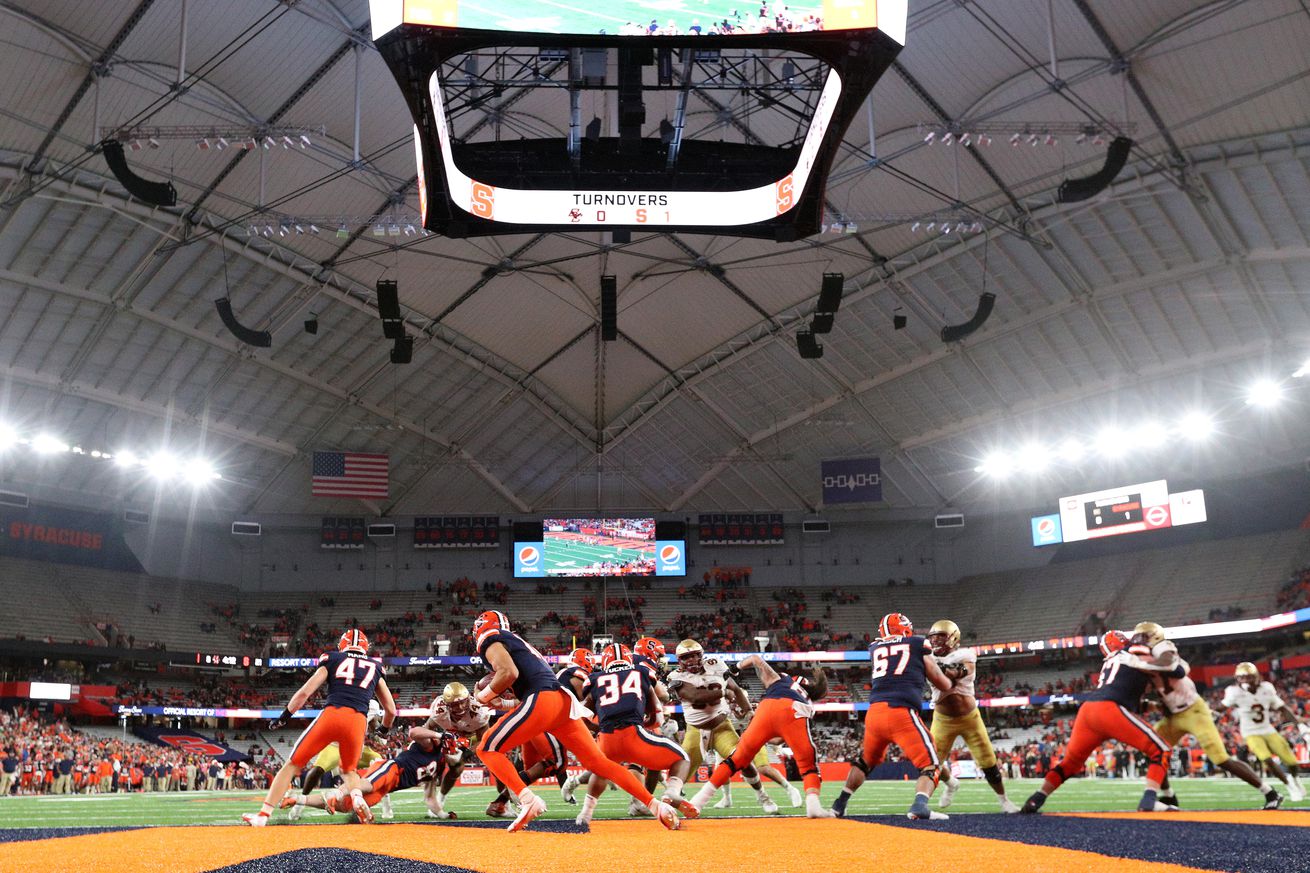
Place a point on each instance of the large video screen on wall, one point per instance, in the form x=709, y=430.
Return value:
x=599, y=547
x=1145, y=506
x=645, y=17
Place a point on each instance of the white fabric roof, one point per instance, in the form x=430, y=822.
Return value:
x=1170, y=290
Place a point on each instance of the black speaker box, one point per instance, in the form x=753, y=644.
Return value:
x=258, y=338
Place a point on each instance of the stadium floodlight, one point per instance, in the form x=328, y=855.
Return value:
x=8, y=437
x=1264, y=394
x=1196, y=425
x=1072, y=451
x=996, y=465
x=1152, y=434
x=126, y=458
x=1303, y=370
x=163, y=466
x=1113, y=442
x=200, y=472
x=1035, y=457
x=48, y=444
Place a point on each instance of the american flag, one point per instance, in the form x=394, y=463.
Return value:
x=350, y=474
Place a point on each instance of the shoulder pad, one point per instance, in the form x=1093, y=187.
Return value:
x=323, y=658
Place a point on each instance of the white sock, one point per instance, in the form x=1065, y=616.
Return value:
x=526, y=796
x=266, y=809
x=300, y=799
x=673, y=786
x=812, y=803
x=588, y=807
x=441, y=797
x=703, y=796
x=1265, y=787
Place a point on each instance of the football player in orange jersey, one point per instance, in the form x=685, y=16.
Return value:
x=352, y=679
x=784, y=711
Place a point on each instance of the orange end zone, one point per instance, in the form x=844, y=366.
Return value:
x=1283, y=817
x=736, y=845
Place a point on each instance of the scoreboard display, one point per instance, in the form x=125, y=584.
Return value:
x=1145, y=506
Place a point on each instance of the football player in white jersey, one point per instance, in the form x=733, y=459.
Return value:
x=955, y=714
x=458, y=714
x=703, y=685
x=1256, y=703
x=1186, y=712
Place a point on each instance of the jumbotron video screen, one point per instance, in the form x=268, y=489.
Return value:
x=587, y=547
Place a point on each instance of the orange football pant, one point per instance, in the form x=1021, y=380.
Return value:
x=636, y=745
x=549, y=712
x=1101, y=720
x=335, y=724
x=384, y=777
x=885, y=724
x=774, y=717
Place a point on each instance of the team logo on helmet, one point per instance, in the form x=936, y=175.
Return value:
x=583, y=658
x=670, y=556
x=649, y=647
x=529, y=556
x=895, y=624
x=491, y=620
x=1113, y=641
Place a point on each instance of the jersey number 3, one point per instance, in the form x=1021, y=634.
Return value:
x=611, y=690
x=346, y=671
x=882, y=659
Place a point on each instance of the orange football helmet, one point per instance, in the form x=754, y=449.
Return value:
x=894, y=624
x=615, y=655
x=583, y=658
x=649, y=647
x=353, y=640
x=491, y=620
x=1113, y=641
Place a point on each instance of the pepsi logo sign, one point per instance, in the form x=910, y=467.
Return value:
x=1046, y=527
x=529, y=556
x=670, y=556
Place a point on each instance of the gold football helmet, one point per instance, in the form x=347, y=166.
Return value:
x=454, y=692
x=947, y=633
x=1148, y=632
x=1247, y=674
x=690, y=656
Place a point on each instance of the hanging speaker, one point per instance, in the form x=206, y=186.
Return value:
x=821, y=322
x=830, y=293
x=403, y=351
x=609, y=308
x=393, y=327
x=808, y=346
x=258, y=338
x=1074, y=190
x=954, y=332
x=153, y=193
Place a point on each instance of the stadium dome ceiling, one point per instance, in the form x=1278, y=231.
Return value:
x=1171, y=289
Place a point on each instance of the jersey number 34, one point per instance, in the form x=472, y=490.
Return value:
x=611, y=690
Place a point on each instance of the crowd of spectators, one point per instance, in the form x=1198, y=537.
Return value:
x=43, y=755
x=1295, y=593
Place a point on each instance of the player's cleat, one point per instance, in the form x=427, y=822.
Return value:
x=1171, y=800
x=637, y=810
x=1273, y=800
x=686, y=807
x=529, y=810
x=444, y=814
x=767, y=804
x=254, y=819
x=839, y=805
x=584, y=818
x=334, y=802
x=794, y=796
x=1295, y=792
x=1033, y=804
x=725, y=802
x=363, y=814
x=1157, y=806
x=1008, y=806
x=667, y=816
x=570, y=785
x=294, y=810
x=948, y=793
x=921, y=812
x=813, y=809
x=499, y=810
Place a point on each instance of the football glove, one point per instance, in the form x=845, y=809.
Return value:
x=383, y=730
x=281, y=721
